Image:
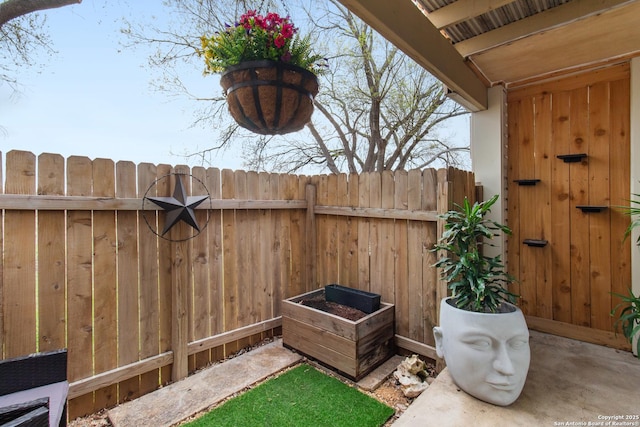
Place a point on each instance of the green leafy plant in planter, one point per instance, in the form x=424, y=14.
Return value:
x=477, y=282
x=482, y=335
x=629, y=316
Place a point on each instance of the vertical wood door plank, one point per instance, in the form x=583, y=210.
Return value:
x=599, y=223
x=528, y=208
x=579, y=195
x=415, y=249
x=619, y=153
x=542, y=194
x=514, y=242
x=560, y=229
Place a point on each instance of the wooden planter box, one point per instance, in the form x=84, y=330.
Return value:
x=353, y=348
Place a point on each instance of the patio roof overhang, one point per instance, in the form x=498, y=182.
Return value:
x=471, y=45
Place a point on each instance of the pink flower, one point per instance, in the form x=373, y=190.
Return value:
x=261, y=22
x=288, y=30
x=279, y=41
x=273, y=19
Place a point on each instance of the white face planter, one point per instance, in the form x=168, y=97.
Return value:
x=487, y=354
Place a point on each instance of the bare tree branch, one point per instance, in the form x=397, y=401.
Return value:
x=11, y=9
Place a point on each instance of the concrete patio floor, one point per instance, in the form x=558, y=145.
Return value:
x=569, y=383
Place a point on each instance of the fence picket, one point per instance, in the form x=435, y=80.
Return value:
x=127, y=232
x=375, y=235
x=214, y=233
x=230, y=230
x=387, y=244
x=104, y=282
x=165, y=291
x=364, y=272
x=149, y=269
x=51, y=257
x=264, y=306
x=430, y=283
x=79, y=282
x=19, y=276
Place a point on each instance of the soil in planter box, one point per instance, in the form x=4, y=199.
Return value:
x=320, y=303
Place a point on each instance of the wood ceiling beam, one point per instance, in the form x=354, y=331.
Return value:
x=551, y=18
x=463, y=10
x=401, y=23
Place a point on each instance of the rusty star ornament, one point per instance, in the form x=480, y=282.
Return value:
x=179, y=207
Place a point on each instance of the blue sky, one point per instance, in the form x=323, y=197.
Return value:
x=94, y=99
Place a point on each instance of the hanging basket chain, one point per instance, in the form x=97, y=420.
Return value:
x=284, y=6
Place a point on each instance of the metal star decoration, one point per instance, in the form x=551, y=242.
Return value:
x=179, y=207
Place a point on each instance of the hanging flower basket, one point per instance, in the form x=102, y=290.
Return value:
x=269, y=97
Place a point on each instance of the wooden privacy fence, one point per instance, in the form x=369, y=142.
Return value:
x=82, y=269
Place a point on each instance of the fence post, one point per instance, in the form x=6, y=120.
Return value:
x=443, y=205
x=312, y=237
x=179, y=326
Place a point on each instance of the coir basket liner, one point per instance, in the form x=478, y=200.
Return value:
x=269, y=97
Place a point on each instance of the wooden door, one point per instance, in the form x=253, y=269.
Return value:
x=568, y=170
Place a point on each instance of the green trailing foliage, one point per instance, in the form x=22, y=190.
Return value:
x=477, y=282
x=629, y=317
x=634, y=211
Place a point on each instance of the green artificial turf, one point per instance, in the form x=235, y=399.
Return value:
x=301, y=397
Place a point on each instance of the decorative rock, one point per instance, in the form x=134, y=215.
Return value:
x=411, y=375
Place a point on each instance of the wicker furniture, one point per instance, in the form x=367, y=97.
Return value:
x=33, y=390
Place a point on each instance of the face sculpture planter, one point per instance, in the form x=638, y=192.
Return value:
x=487, y=354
